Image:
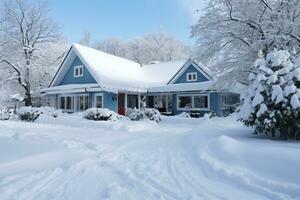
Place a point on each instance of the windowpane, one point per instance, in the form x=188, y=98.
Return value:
x=80, y=103
x=194, y=76
x=185, y=101
x=86, y=102
x=200, y=102
x=62, y=102
x=69, y=103
x=80, y=71
x=76, y=71
x=98, y=101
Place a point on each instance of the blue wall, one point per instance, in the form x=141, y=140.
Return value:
x=69, y=77
x=110, y=100
x=191, y=69
x=216, y=102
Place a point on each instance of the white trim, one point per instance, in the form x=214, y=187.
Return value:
x=192, y=74
x=95, y=99
x=192, y=96
x=78, y=67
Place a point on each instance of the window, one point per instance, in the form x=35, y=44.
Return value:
x=200, y=101
x=78, y=71
x=69, y=103
x=132, y=101
x=66, y=103
x=82, y=102
x=185, y=102
x=191, y=76
x=99, y=100
x=163, y=103
x=196, y=102
x=62, y=103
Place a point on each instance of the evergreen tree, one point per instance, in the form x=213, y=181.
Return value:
x=271, y=104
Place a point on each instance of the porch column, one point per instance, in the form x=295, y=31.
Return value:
x=125, y=103
x=167, y=106
x=139, y=100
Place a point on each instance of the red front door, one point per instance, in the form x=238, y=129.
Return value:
x=121, y=103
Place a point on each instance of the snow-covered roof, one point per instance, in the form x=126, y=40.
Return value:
x=118, y=73
x=162, y=73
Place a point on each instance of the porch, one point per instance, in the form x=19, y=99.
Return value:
x=161, y=102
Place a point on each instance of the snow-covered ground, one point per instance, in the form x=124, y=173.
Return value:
x=70, y=158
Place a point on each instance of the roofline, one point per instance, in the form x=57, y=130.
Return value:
x=179, y=71
x=200, y=69
x=60, y=66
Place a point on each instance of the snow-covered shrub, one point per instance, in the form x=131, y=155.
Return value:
x=152, y=114
x=184, y=115
x=30, y=114
x=101, y=114
x=7, y=114
x=271, y=104
x=134, y=114
x=146, y=113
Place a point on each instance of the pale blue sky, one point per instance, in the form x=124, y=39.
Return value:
x=125, y=19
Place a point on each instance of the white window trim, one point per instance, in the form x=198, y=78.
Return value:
x=191, y=73
x=95, y=98
x=80, y=95
x=78, y=67
x=192, y=96
x=65, y=96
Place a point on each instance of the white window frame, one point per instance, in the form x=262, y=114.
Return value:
x=78, y=67
x=193, y=106
x=192, y=74
x=82, y=95
x=95, y=98
x=65, y=106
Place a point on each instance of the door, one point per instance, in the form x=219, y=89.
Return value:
x=121, y=103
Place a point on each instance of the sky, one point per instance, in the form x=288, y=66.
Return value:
x=125, y=19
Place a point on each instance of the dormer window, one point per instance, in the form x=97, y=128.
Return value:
x=191, y=76
x=78, y=71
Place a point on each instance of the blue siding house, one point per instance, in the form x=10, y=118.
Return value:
x=91, y=78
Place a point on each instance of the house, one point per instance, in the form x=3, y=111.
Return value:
x=91, y=78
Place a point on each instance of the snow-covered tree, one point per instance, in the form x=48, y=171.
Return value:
x=26, y=29
x=112, y=46
x=272, y=102
x=230, y=33
x=157, y=47
x=86, y=39
x=152, y=47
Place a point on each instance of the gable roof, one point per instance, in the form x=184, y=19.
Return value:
x=115, y=72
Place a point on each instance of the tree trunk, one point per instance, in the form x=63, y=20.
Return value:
x=28, y=100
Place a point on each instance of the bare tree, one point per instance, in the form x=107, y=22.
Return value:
x=26, y=27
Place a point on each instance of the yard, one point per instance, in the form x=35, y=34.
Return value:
x=71, y=158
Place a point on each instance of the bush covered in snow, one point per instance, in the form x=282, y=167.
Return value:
x=7, y=114
x=271, y=104
x=101, y=114
x=152, y=114
x=30, y=114
x=147, y=113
